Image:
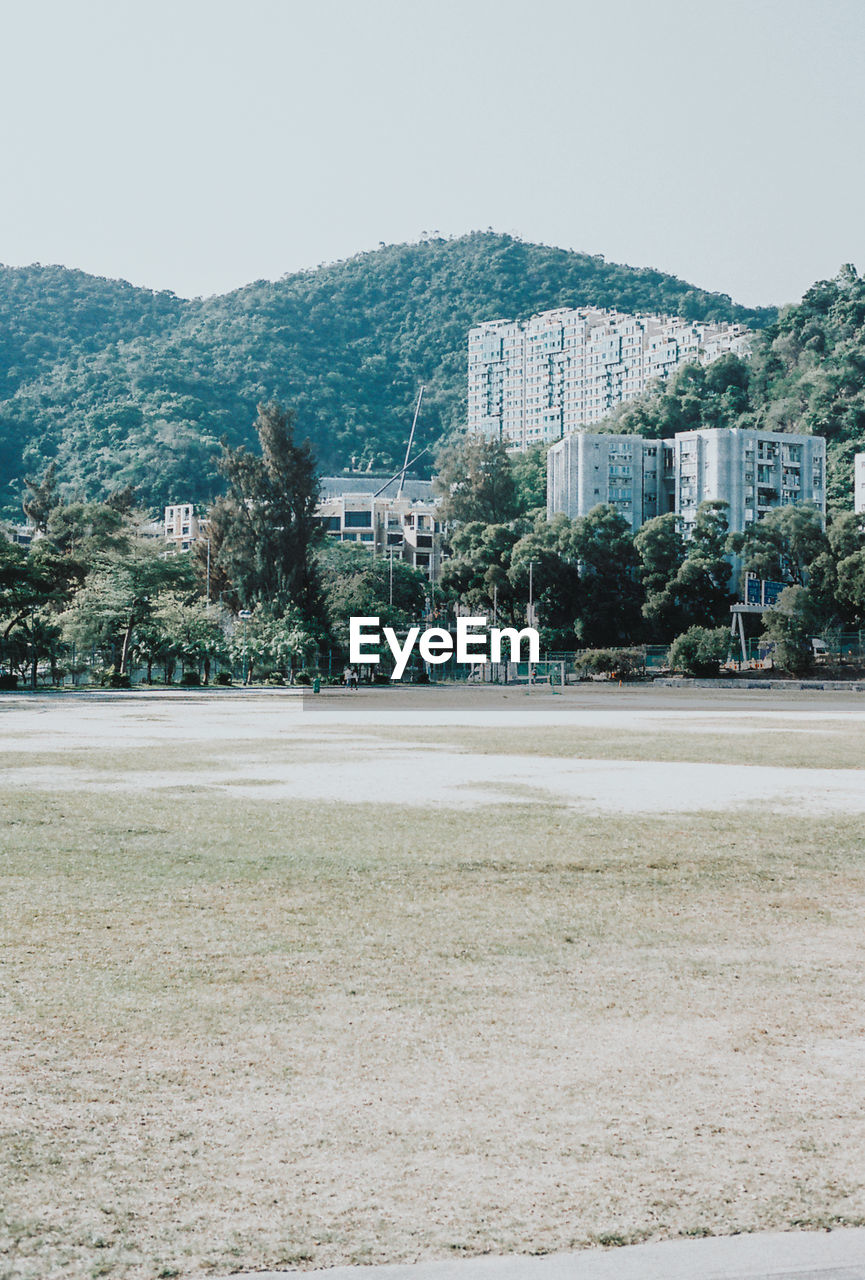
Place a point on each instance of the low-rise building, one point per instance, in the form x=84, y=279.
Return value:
x=383, y=519
x=182, y=527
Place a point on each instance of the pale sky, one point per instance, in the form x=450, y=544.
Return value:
x=197, y=145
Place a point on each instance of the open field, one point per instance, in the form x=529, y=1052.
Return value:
x=245, y=1028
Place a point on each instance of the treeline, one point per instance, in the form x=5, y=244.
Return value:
x=123, y=386
x=266, y=597
x=594, y=583
x=262, y=597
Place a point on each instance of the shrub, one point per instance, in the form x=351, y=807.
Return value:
x=190, y=679
x=111, y=678
x=8, y=681
x=699, y=651
x=303, y=677
x=223, y=678
x=620, y=664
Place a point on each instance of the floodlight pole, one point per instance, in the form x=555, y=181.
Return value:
x=531, y=617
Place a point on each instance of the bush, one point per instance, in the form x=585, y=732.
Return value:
x=223, y=678
x=619, y=664
x=8, y=681
x=699, y=651
x=110, y=678
x=303, y=677
x=190, y=680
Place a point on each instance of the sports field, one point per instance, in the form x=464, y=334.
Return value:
x=295, y=982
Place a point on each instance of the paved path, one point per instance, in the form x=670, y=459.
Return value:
x=789, y=1255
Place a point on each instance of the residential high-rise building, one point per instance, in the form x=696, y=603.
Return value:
x=534, y=381
x=859, y=483
x=752, y=471
x=584, y=470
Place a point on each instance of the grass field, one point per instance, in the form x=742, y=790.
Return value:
x=246, y=1031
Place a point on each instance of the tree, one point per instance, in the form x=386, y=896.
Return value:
x=699, y=651
x=269, y=642
x=610, y=596
x=789, y=628
x=530, y=478
x=263, y=531
x=120, y=596
x=544, y=561
x=355, y=582
x=783, y=544
x=476, y=482
x=187, y=629
x=476, y=573
x=41, y=497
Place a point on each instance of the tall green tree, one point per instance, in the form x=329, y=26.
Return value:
x=263, y=531
x=475, y=480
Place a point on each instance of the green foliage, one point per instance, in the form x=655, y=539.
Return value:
x=122, y=385
x=356, y=582
x=610, y=597
x=686, y=583
x=476, y=482
x=620, y=664
x=263, y=530
x=700, y=651
x=789, y=628
x=530, y=478
x=781, y=545
x=268, y=642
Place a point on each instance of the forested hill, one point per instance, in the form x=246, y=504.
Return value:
x=122, y=385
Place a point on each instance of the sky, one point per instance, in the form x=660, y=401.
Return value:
x=197, y=146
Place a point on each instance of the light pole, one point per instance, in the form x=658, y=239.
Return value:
x=208, y=573
x=244, y=616
x=531, y=617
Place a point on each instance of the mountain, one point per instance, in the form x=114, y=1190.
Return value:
x=122, y=385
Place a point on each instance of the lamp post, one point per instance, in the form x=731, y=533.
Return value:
x=244, y=616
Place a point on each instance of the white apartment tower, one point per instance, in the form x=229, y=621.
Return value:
x=534, y=381
x=585, y=469
x=752, y=471
x=859, y=483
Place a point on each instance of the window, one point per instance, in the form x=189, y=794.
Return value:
x=358, y=519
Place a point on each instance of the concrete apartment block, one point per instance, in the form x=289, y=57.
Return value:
x=752, y=471
x=534, y=381
x=584, y=470
x=859, y=483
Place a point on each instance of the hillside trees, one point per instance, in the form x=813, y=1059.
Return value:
x=118, y=384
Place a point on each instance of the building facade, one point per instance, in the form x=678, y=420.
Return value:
x=535, y=381
x=387, y=522
x=181, y=527
x=752, y=471
x=859, y=483
x=625, y=471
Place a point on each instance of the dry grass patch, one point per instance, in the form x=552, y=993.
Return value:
x=240, y=1034
x=798, y=744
